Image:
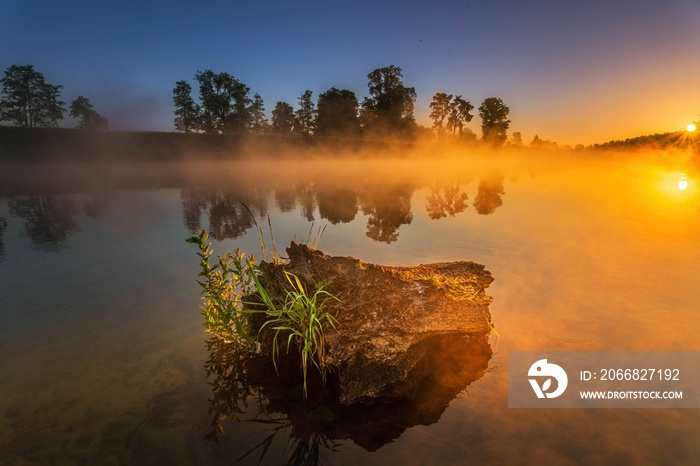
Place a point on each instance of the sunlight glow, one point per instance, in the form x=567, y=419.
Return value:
x=691, y=127
x=682, y=184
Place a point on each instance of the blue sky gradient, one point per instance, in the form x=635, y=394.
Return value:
x=574, y=72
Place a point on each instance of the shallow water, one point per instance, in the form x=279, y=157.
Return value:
x=102, y=346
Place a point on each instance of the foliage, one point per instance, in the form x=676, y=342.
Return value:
x=223, y=286
x=459, y=115
x=283, y=119
x=306, y=115
x=28, y=100
x=303, y=319
x=82, y=109
x=224, y=100
x=337, y=113
x=389, y=108
x=494, y=120
x=440, y=109
x=187, y=112
x=300, y=318
x=257, y=122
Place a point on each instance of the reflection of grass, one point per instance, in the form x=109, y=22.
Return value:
x=306, y=448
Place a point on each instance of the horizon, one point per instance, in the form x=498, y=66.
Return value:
x=574, y=74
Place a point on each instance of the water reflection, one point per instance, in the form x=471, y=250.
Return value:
x=3, y=226
x=47, y=219
x=388, y=208
x=95, y=204
x=227, y=216
x=320, y=422
x=490, y=195
x=446, y=200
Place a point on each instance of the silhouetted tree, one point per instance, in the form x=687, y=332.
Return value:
x=459, y=115
x=82, y=109
x=494, y=120
x=440, y=109
x=488, y=197
x=187, y=112
x=257, y=121
x=337, y=113
x=390, y=103
x=283, y=119
x=538, y=143
x=28, y=100
x=306, y=115
x=517, y=139
x=224, y=101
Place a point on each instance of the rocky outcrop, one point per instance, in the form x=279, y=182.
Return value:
x=388, y=316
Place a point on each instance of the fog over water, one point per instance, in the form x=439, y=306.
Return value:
x=102, y=345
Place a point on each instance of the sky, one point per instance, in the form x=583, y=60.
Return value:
x=570, y=71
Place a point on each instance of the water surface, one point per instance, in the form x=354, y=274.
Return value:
x=102, y=349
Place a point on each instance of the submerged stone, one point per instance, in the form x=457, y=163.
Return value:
x=388, y=316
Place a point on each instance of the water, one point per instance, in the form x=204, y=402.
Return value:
x=102, y=349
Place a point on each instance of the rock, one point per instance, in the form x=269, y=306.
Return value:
x=387, y=316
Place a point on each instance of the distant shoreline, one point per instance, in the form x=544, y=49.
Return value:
x=52, y=145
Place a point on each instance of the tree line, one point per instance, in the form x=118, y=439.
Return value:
x=28, y=100
x=224, y=106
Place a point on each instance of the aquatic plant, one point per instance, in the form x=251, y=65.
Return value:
x=224, y=285
x=304, y=320
x=229, y=288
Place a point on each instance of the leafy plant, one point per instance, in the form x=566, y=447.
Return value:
x=300, y=317
x=303, y=319
x=224, y=285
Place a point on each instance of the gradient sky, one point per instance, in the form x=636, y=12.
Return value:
x=570, y=71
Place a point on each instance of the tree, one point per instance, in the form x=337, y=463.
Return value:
x=440, y=106
x=494, y=120
x=517, y=139
x=390, y=105
x=28, y=100
x=283, y=119
x=459, y=114
x=337, y=113
x=256, y=115
x=306, y=115
x=187, y=112
x=82, y=109
x=224, y=101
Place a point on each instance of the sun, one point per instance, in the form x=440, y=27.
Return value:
x=691, y=127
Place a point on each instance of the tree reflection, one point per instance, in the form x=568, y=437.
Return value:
x=488, y=198
x=387, y=210
x=286, y=198
x=94, y=205
x=337, y=205
x=3, y=226
x=312, y=426
x=47, y=219
x=446, y=200
x=227, y=215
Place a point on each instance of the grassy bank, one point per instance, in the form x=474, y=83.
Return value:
x=73, y=145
